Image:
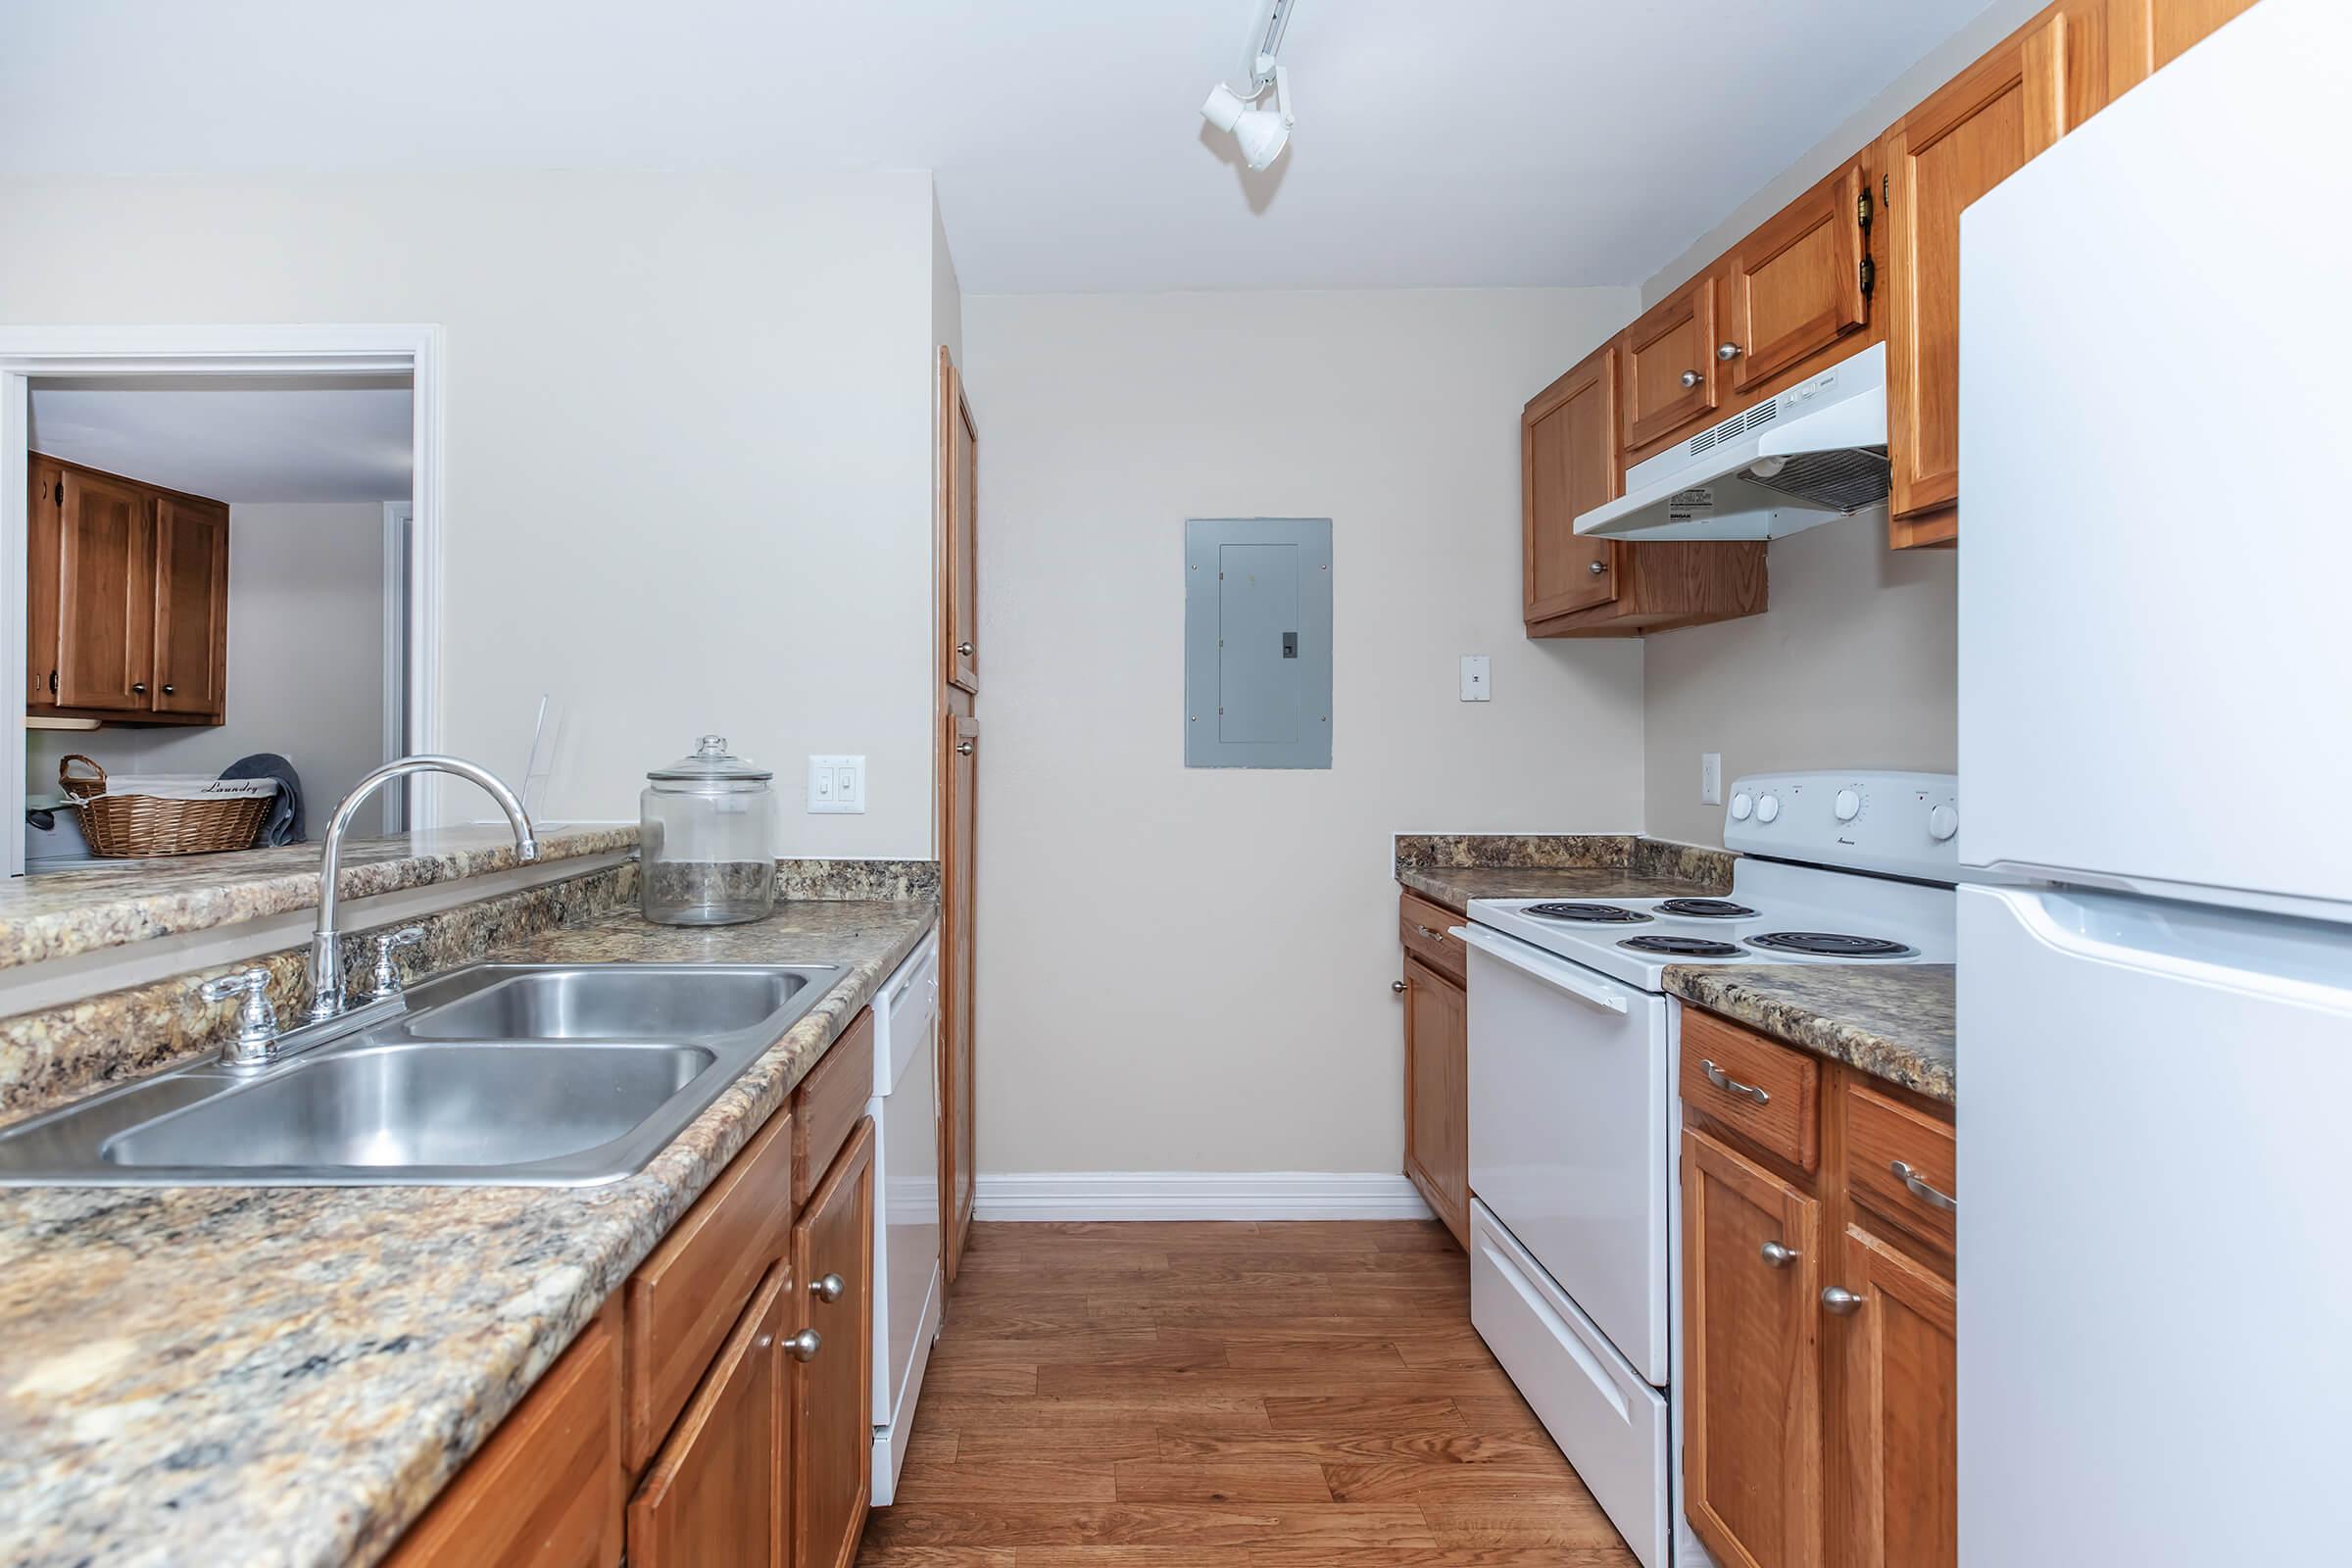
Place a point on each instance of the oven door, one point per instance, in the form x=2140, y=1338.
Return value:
x=1571, y=1132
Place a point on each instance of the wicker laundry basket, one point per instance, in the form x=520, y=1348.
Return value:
x=124, y=825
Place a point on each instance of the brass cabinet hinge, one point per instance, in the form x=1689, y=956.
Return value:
x=1862, y=209
x=1870, y=277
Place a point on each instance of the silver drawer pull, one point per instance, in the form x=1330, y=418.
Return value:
x=1921, y=1189
x=1427, y=934
x=1731, y=1085
x=1779, y=1257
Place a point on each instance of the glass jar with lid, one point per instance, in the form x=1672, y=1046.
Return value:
x=708, y=852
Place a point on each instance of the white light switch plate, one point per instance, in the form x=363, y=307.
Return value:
x=1476, y=688
x=1710, y=778
x=837, y=785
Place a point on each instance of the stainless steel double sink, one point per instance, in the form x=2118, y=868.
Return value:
x=498, y=1074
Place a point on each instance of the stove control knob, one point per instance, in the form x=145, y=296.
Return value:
x=1849, y=804
x=1768, y=808
x=1742, y=806
x=1942, y=822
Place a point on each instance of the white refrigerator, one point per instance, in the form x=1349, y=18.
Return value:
x=2155, y=933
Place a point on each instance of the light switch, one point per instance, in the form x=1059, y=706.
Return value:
x=1475, y=685
x=837, y=784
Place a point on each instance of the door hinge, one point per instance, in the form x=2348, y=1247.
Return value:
x=1862, y=209
x=53, y=683
x=1870, y=275
x=1887, y=191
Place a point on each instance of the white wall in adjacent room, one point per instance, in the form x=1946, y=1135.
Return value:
x=1188, y=969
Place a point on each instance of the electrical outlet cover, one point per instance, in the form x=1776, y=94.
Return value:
x=1710, y=778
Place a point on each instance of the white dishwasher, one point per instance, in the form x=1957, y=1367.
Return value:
x=908, y=1284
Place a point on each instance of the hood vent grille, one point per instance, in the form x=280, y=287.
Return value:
x=1733, y=429
x=1846, y=480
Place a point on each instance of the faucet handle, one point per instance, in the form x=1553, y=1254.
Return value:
x=257, y=1021
x=386, y=980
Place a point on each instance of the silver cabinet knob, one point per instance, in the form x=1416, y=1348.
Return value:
x=804, y=1346
x=1726, y=352
x=139, y=688
x=1919, y=1190
x=964, y=749
x=1690, y=378
x=1597, y=567
x=966, y=649
x=829, y=1288
x=1844, y=1303
x=167, y=688
x=1397, y=986
x=1779, y=1256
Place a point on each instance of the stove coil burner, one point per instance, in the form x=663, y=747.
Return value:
x=1682, y=946
x=1830, y=945
x=1706, y=908
x=1589, y=913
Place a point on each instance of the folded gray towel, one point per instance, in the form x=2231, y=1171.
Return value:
x=285, y=824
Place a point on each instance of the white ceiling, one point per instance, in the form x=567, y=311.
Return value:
x=248, y=440
x=1440, y=142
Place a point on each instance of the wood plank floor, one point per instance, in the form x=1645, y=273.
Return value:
x=1219, y=1396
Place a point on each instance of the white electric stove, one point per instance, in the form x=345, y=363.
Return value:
x=1574, y=1122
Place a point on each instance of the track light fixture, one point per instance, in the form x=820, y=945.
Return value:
x=1261, y=132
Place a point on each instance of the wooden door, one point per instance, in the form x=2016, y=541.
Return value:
x=1751, y=1359
x=191, y=607
x=1966, y=138
x=1569, y=463
x=832, y=1391
x=1797, y=286
x=958, y=1101
x=1436, y=1094
x=1670, y=377
x=44, y=510
x=960, y=509
x=106, y=594
x=1897, y=1423
x=716, y=1492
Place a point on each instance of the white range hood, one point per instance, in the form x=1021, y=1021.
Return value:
x=1815, y=452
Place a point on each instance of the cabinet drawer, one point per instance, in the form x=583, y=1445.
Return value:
x=1421, y=926
x=831, y=1100
x=1768, y=1093
x=1881, y=1134
x=683, y=1300
x=545, y=1491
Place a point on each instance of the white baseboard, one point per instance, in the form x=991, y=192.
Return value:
x=1136, y=1195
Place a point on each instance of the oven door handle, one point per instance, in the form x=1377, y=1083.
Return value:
x=1553, y=972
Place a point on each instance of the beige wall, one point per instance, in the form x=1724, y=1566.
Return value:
x=689, y=441
x=306, y=656
x=1188, y=969
x=1854, y=664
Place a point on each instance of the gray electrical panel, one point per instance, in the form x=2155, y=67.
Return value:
x=1257, y=642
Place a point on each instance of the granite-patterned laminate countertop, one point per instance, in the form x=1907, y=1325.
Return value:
x=111, y=903
x=1892, y=1021
x=289, y=1375
x=1453, y=887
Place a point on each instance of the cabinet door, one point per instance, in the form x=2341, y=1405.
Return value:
x=44, y=510
x=1670, y=377
x=106, y=594
x=1978, y=130
x=960, y=509
x=1794, y=287
x=1437, y=1095
x=1751, y=1359
x=716, y=1492
x=959, y=1159
x=833, y=1432
x=1569, y=463
x=1898, y=1425
x=191, y=608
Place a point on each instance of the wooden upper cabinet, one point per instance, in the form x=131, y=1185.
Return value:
x=45, y=504
x=1569, y=463
x=1436, y=1094
x=1798, y=286
x=2161, y=30
x=1672, y=374
x=191, y=607
x=832, y=1389
x=1752, y=1358
x=1898, y=1423
x=1966, y=138
x=959, y=512
x=106, y=594
x=717, y=1493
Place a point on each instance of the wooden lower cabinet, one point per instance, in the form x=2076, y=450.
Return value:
x=717, y=1493
x=832, y=1388
x=1436, y=1094
x=1820, y=1373
x=1751, y=1359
